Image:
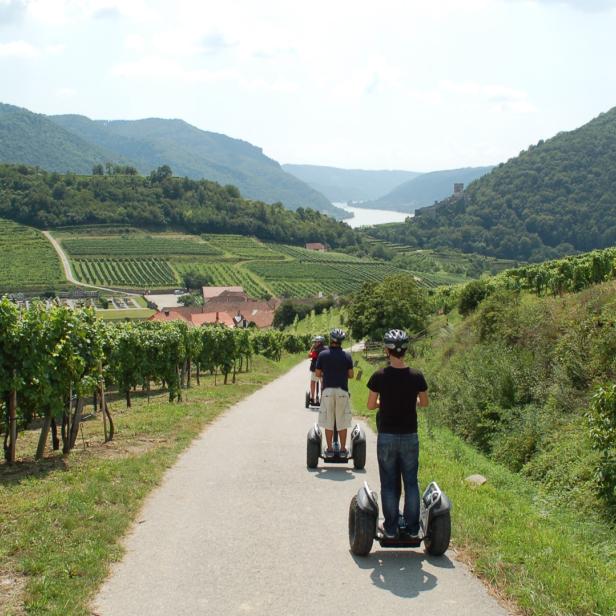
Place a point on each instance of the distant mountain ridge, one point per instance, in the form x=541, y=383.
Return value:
x=349, y=184
x=75, y=143
x=555, y=198
x=425, y=189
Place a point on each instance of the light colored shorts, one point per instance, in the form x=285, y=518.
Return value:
x=335, y=406
x=314, y=378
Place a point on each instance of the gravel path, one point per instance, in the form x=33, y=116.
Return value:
x=240, y=526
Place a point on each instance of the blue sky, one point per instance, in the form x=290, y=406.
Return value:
x=395, y=84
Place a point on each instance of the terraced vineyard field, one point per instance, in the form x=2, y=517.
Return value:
x=304, y=278
x=227, y=274
x=139, y=246
x=28, y=260
x=125, y=272
x=244, y=248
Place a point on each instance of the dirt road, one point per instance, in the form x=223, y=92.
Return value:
x=240, y=526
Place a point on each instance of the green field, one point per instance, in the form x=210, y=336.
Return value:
x=243, y=248
x=29, y=262
x=145, y=245
x=125, y=272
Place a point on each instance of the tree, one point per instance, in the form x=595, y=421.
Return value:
x=471, y=295
x=161, y=174
x=194, y=279
x=98, y=169
x=397, y=302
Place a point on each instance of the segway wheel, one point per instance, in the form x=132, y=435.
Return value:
x=307, y=399
x=359, y=456
x=439, y=534
x=313, y=449
x=362, y=525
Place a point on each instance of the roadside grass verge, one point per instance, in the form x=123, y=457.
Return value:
x=61, y=519
x=530, y=549
x=113, y=314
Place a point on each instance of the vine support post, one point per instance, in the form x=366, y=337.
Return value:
x=40, y=450
x=12, y=426
x=101, y=395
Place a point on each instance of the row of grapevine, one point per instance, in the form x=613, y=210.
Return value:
x=50, y=359
x=139, y=246
x=126, y=272
x=245, y=248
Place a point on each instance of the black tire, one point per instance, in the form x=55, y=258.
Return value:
x=307, y=399
x=313, y=449
x=359, y=456
x=439, y=534
x=362, y=525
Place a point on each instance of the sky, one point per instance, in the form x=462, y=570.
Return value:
x=394, y=84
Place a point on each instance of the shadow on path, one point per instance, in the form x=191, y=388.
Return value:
x=401, y=571
x=335, y=473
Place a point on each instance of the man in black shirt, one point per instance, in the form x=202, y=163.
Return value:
x=396, y=390
x=335, y=367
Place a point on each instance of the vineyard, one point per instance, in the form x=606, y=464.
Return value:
x=227, y=274
x=29, y=262
x=139, y=246
x=52, y=360
x=125, y=272
x=243, y=248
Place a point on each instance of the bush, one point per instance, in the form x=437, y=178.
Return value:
x=471, y=295
x=602, y=422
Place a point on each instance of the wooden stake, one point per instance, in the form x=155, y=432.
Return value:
x=12, y=426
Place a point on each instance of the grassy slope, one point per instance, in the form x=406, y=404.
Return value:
x=29, y=261
x=546, y=558
x=61, y=519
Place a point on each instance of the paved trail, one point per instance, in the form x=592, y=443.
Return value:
x=240, y=526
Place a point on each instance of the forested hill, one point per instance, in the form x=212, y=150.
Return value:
x=349, y=184
x=425, y=189
x=198, y=154
x=76, y=143
x=33, y=139
x=553, y=199
x=42, y=199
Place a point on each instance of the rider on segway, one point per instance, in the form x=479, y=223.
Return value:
x=335, y=367
x=318, y=345
x=396, y=390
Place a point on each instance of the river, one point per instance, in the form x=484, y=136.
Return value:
x=363, y=216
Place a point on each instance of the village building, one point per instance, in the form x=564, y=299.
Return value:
x=316, y=246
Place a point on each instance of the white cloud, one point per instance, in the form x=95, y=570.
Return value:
x=12, y=11
x=498, y=97
x=66, y=93
x=18, y=49
x=588, y=6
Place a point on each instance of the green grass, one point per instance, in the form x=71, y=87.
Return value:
x=129, y=313
x=61, y=519
x=29, y=262
x=548, y=559
x=243, y=247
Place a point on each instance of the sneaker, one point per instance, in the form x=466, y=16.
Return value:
x=329, y=453
x=385, y=534
x=344, y=453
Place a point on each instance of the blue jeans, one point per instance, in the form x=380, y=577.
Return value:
x=398, y=455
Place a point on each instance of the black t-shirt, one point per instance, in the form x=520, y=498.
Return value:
x=397, y=389
x=335, y=364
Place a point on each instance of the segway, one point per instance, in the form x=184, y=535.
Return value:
x=317, y=402
x=434, y=522
x=316, y=450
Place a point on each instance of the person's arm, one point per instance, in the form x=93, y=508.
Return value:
x=373, y=400
x=318, y=373
x=350, y=373
x=422, y=399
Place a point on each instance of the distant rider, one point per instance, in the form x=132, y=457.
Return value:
x=396, y=390
x=318, y=345
x=335, y=367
